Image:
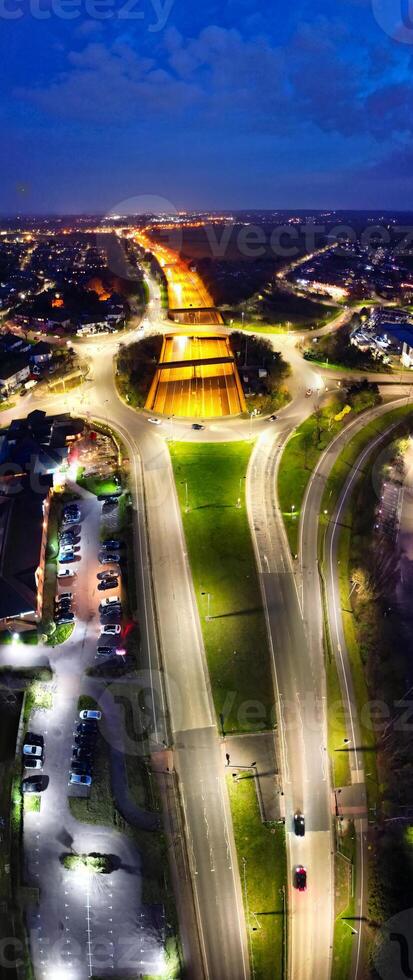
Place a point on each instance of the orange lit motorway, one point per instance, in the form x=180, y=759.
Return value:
x=186, y=290
x=198, y=391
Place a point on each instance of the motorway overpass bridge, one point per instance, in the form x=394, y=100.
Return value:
x=201, y=316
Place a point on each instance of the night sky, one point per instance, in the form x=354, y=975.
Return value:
x=235, y=104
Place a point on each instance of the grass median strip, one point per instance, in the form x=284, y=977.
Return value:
x=351, y=453
x=210, y=480
x=263, y=871
x=344, y=929
x=298, y=461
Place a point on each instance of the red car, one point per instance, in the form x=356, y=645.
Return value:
x=300, y=878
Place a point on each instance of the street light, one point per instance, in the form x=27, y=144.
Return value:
x=185, y=484
x=238, y=504
x=208, y=615
x=292, y=511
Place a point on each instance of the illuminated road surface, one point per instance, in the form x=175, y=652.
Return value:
x=196, y=391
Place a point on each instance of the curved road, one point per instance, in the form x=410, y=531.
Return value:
x=308, y=552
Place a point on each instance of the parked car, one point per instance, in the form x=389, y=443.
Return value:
x=33, y=750
x=82, y=768
x=113, y=544
x=30, y=763
x=82, y=753
x=105, y=651
x=80, y=779
x=109, y=505
x=113, y=600
x=66, y=556
x=71, y=507
x=33, y=784
x=68, y=532
x=89, y=714
x=86, y=739
x=64, y=618
x=110, y=616
x=111, y=629
x=66, y=573
x=111, y=582
x=62, y=604
x=87, y=728
x=31, y=738
x=71, y=519
x=64, y=597
x=107, y=558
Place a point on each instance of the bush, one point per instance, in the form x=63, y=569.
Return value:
x=100, y=864
x=136, y=367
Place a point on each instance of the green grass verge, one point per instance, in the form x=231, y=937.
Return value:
x=37, y=699
x=298, y=460
x=223, y=566
x=60, y=635
x=263, y=870
x=98, y=485
x=344, y=938
x=350, y=454
x=32, y=803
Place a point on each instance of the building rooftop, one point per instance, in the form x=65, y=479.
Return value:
x=21, y=532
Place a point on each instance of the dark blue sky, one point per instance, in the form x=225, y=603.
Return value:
x=221, y=104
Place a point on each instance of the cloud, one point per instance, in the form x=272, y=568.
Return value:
x=322, y=78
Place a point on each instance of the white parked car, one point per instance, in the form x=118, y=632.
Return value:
x=111, y=629
x=88, y=715
x=66, y=573
x=36, y=750
x=113, y=600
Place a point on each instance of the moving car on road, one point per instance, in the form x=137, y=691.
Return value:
x=300, y=878
x=155, y=421
x=299, y=824
x=198, y=427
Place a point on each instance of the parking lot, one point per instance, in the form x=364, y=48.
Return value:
x=84, y=924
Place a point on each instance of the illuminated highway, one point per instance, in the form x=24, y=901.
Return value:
x=186, y=290
x=196, y=390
